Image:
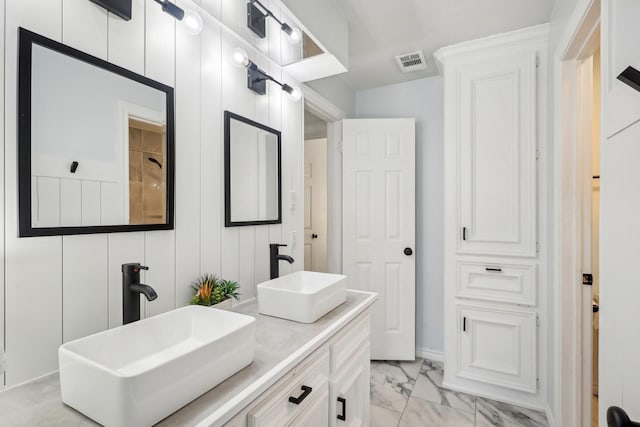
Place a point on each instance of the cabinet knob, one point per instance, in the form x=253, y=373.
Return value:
x=408, y=251
x=314, y=236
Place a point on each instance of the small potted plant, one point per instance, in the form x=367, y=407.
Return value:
x=211, y=291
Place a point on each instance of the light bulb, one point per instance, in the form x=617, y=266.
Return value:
x=295, y=36
x=192, y=22
x=294, y=92
x=240, y=57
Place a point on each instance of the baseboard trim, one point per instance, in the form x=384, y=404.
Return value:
x=550, y=419
x=427, y=353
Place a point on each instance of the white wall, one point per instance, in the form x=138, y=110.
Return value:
x=59, y=288
x=423, y=100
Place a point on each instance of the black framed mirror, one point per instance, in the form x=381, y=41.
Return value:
x=253, y=172
x=95, y=144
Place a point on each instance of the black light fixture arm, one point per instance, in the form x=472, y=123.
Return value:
x=257, y=23
x=261, y=76
x=257, y=78
x=256, y=75
x=172, y=9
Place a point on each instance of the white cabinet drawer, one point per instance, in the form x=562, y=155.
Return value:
x=497, y=346
x=316, y=414
x=308, y=382
x=507, y=283
x=348, y=342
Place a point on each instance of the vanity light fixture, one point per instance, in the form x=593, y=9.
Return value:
x=257, y=79
x=191, y=19
x=256, y=22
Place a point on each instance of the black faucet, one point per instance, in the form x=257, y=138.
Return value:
x=275, y=259
x=131, y=290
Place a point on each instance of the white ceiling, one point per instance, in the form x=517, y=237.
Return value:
x=381, y=29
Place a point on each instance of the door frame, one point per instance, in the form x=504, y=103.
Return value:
x=579, y=38
x=333, y=115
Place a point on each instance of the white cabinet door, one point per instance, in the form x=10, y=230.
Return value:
x=497, y=346
x=349, y=393
x=497, y=156
x=379, y=227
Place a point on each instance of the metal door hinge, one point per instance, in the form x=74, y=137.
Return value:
x=537, y=246
x=538, y=383
x=538, y=320
x=537, y=61
x=537, y=154
x=339, y=147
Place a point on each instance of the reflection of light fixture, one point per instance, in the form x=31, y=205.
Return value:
x=257, y=79
x=191, y=19
x=256, y=22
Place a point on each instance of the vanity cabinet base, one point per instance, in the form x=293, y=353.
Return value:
x=328, y=388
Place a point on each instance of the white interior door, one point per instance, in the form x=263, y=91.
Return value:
x=619, y=376
x=379, y=227
x=585, y=71
x=315, y=205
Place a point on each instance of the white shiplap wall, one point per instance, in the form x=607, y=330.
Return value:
x=61, y=288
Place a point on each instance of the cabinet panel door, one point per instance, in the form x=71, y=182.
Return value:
x=349, y=392
x=497, y=156
x=498, y=347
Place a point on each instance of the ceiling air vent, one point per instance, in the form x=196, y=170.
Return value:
x=413, y=61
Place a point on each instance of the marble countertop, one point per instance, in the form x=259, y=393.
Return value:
x=280, y=345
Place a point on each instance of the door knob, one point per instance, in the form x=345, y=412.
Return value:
x=408, y=251
x=314, y=236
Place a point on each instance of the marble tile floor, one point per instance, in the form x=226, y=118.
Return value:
x=410, y=394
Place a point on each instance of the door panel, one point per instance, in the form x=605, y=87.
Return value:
x=378, y=224
x=498, y=346
x=315, y=205
x=619, y=347
x=497, y=141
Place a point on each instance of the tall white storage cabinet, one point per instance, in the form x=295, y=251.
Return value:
x=495, y=97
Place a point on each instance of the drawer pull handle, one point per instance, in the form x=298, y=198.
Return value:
x=497, y=270
x=343, y=416
x=306, y=391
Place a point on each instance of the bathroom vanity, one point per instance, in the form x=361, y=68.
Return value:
x=302, y=374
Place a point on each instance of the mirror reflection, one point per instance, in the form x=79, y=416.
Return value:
x=99, y=143
x=252, y=172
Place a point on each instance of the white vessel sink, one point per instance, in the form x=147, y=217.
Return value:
x=137, y=374
x=303, y=296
